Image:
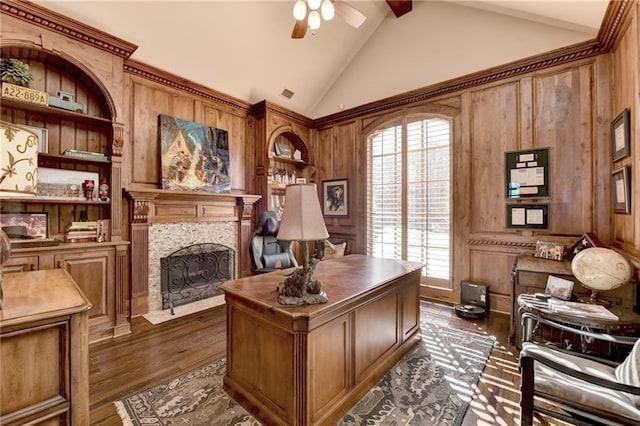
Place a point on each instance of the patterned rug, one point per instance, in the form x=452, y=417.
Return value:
x=431, y=385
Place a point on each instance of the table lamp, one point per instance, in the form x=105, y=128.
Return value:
x=302, y=221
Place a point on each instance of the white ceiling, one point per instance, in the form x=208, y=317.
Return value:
x=243, y=48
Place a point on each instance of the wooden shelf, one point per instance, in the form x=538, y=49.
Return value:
x=53, y=200
x=55, y=112
x=45, y=157
x=289, y=160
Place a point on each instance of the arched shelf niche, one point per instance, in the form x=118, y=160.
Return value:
x=286, y=134
x=284, y=169
x=64, y=73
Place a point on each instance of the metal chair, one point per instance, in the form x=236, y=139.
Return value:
x=588, y=390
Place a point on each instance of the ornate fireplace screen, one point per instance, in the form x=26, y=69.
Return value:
x=195, y=273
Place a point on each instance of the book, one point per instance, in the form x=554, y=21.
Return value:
x=584, y=310
x=86, y=154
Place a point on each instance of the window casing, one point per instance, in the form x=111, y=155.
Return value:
x=409, y=194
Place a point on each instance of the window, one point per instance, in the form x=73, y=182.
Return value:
x=408, y=194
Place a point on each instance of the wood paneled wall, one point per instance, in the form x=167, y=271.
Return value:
x=625, y=93
x=560, y=108
x=148, y=99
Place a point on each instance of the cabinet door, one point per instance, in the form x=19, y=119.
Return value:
x=21, y=264
x=93, y=270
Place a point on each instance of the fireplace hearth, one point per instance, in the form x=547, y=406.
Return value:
x=194, y=273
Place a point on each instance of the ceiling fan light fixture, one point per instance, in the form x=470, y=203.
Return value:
x=314, y=4
x=299, y=10
x=314, y=20
x=327, y=10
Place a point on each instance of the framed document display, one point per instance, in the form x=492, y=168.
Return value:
x=527, y=173
x=528, y=216
x=621, y=135
x=621, y=190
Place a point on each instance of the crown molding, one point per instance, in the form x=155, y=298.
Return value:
x=167, y=79
x=68, y=27
x=266, y=106
x=612, y=24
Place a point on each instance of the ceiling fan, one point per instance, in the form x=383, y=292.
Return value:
x=348, y=13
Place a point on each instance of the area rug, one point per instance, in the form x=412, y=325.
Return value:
x=431, y=385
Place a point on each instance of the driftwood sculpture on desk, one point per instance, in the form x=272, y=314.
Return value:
x=300, y=289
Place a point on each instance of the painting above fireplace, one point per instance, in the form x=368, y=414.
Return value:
x=194, y=157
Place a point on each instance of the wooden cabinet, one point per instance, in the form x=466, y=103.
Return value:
x=100, y=268
x=44, y=350
x=93, y=270
x=530, y=275
x=92, y=267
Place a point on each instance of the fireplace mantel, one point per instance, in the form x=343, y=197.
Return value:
x=154, y=206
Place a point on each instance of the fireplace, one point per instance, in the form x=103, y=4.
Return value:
x=194, y=273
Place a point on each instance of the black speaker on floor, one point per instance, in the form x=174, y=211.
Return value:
x=474, y=300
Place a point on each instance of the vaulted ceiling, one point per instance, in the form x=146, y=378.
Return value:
x=244, y=48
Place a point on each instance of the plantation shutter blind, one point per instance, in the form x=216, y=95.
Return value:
x=408, y=208
x=428, y=196
x=384, y=226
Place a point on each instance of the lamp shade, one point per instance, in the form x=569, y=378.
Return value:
x=327, y=10
x=314, y=20
x=299, y=10
x=302, y=218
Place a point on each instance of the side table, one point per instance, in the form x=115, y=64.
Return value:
x=534, y=310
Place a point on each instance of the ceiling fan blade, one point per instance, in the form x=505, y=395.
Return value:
x=299, y=29
x=351, y=15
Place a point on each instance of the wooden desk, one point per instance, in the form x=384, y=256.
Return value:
x=44, y=348
x=310, y=364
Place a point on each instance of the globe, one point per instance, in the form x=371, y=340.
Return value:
x=601, y=269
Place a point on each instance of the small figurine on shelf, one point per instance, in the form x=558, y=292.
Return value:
x=88, y=187
x=103, y=190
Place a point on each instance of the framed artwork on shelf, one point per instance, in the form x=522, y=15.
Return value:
x=621, y=135
x=194, y=156
x=621, y=190
x=527, y=173
x=25, y=225
x=282, y=149
x=335, y=196
x=549, y=250
x=559, y=287
x=528, y=216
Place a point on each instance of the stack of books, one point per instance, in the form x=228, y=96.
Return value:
x=82, y=232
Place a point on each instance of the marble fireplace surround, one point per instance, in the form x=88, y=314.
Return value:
x=163, y=221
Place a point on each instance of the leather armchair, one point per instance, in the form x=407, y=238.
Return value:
x=267, y=252
x=588, y=390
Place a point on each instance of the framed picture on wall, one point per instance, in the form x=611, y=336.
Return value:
x=527, y=173
x=528, y=216
x=621, y=135
x=335, y=196
x=621, y=190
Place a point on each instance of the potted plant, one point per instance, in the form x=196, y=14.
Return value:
x=14, y=71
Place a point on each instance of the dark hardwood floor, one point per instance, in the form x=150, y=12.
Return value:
x=154, y=354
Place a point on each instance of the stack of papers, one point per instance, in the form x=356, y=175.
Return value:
x=583, y=310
